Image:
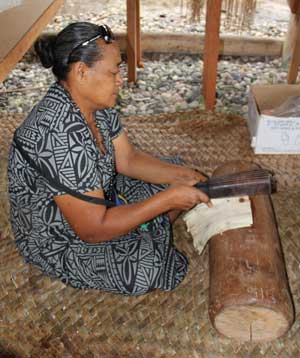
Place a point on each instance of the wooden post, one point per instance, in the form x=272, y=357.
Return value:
x=132, y=58
x=295, y=63
x=290, y=39
x=211, y=51
x=138, y=35
x=294, y=6
x=249, y=297
x=295, y=46
x=291, y=47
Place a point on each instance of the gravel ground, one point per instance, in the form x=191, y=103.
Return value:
x=168, y=83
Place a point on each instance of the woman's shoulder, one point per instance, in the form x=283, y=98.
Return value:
x=111, y=117
x=53, y=116
x=55, y=112
x=107, y=113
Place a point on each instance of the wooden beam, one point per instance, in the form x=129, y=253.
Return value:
x=211, y=51
x=132, y=39
x=19, y=28
x=194, y=44
x=249, y=46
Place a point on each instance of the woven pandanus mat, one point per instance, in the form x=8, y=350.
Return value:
x=8, y=124
x=41, y=317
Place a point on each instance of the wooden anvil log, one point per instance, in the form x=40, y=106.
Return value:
x=249, y=297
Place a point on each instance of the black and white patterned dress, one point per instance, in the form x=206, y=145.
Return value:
x=59, y=140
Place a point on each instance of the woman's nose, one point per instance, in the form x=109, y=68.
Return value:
x=119, y=80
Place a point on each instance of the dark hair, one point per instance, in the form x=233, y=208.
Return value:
x=54, y=50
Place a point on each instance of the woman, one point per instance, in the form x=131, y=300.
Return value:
x=74, y=137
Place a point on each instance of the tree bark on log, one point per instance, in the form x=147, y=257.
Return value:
x=249, y=297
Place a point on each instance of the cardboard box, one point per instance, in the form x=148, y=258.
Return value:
x=270, y=134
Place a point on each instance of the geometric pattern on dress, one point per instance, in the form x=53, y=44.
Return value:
x=57, y=137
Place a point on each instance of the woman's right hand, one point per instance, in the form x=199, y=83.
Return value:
x=184, y=197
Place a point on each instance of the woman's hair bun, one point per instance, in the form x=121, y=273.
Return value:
x=44, y=47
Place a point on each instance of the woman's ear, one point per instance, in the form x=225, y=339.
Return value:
x=80, y=70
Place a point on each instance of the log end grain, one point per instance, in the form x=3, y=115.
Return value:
x=251, y=323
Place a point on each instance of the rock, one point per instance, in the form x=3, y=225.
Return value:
x=194, y=104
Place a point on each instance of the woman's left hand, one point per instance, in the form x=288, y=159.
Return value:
x=188, y=176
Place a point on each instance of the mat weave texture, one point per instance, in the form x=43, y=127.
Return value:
x=41, y=317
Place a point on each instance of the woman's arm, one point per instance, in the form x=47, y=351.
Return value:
x=139, y=165
x=95, y=223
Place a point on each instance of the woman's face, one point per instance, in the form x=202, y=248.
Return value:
x=103, y=79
